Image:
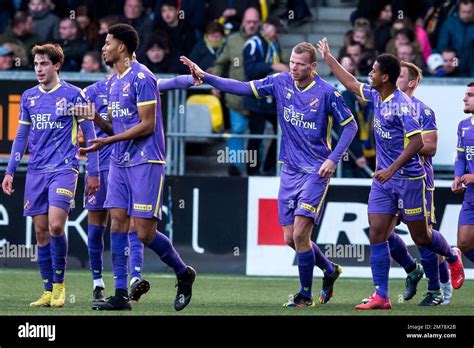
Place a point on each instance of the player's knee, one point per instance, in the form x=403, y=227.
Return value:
x=145, y=238
x=42, y=237
x=464, y=246
x=289, y=241
x=56, y=229
x=422, y=240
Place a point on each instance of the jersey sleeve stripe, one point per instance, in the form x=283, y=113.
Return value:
x=361, y=91
x=147, y=103
x=254, y=90
x=347, y=120
x=460, y=149
x=24, y=122
x=412, y=133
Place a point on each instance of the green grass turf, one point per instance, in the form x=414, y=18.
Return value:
x=220, y=295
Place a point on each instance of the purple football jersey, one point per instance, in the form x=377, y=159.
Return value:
x=97, y=95
x=136, y=87
x=52, y=140
x=427, y=122
x=305, y=118
x=395, y=120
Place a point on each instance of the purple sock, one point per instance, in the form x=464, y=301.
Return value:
x=440, y=246
x=59, y=256
x=444, y=272
x=430, y=263
x=470, y=255
x=95, y=245
x=305, y=270
x=120, y=248
x=380, y=265
x=399, y=252
x=136, y=255
x=322, y=261
x=45, y=266
x=162, y=246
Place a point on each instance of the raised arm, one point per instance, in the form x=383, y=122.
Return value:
x=225, y=85
x=346, y=78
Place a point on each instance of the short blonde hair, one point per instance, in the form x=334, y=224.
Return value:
x=306, y=47
x=414, y=72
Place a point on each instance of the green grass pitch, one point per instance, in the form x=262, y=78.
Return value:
x=220, y=295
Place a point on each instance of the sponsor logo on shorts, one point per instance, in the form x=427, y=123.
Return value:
x=413, y=211
x=91, y=200
x=64, y=192
x=308, y=207
x=142, y=207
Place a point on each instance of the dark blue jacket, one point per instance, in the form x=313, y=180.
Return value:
x=258, y=59
x=460, y=36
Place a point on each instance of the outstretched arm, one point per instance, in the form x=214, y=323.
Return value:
x=179, y=82
x=346, y=78
x=225, y=85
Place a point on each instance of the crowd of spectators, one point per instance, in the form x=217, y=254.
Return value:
x=239, y=39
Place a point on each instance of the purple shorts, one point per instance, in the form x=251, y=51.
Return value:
x=430, y=208
x=96, y=200
x=49, y=189
x=466, y=215
x=300, y=194
x=398, y=195
x=137, y=189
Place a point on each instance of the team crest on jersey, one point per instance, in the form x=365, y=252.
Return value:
x=314, y=102
x=126, y=88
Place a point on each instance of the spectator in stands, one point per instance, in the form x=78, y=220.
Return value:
x=206, y=51
x=6, y=58
x=157, y=56
x=73, y=46
x=104, y=24
x=436, y=65
x=180, y=34
x=20, y=55
x=363, y=59
x=348, y=64
x=92, y=62
x=458, y=32
x=420, y=34
x=382, y=28
x=406, y=36
x=193, y=10
x=20, y=32
x=135, y=16
x=451, y=62
x=45, y=24
x=231, y=61
x=88, y=26
x=408, y=53
x=435, y=14
x=262, y=57
x=229, y=13
x=363, y=35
